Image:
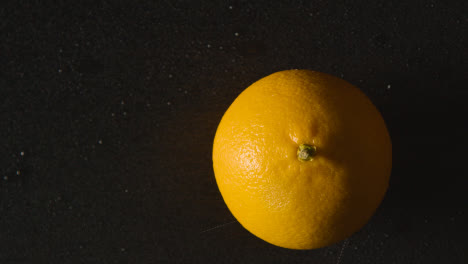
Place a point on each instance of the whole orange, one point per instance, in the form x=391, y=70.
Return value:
x=302, y=159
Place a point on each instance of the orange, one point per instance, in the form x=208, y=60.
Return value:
x=302, y=159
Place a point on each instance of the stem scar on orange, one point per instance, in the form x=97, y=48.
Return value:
x=302, y=159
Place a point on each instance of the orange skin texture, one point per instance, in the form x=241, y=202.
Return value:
x=302, y=204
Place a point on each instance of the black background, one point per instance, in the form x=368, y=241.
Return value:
x=109, y=110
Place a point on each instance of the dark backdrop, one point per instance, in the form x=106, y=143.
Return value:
x=108, y=111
